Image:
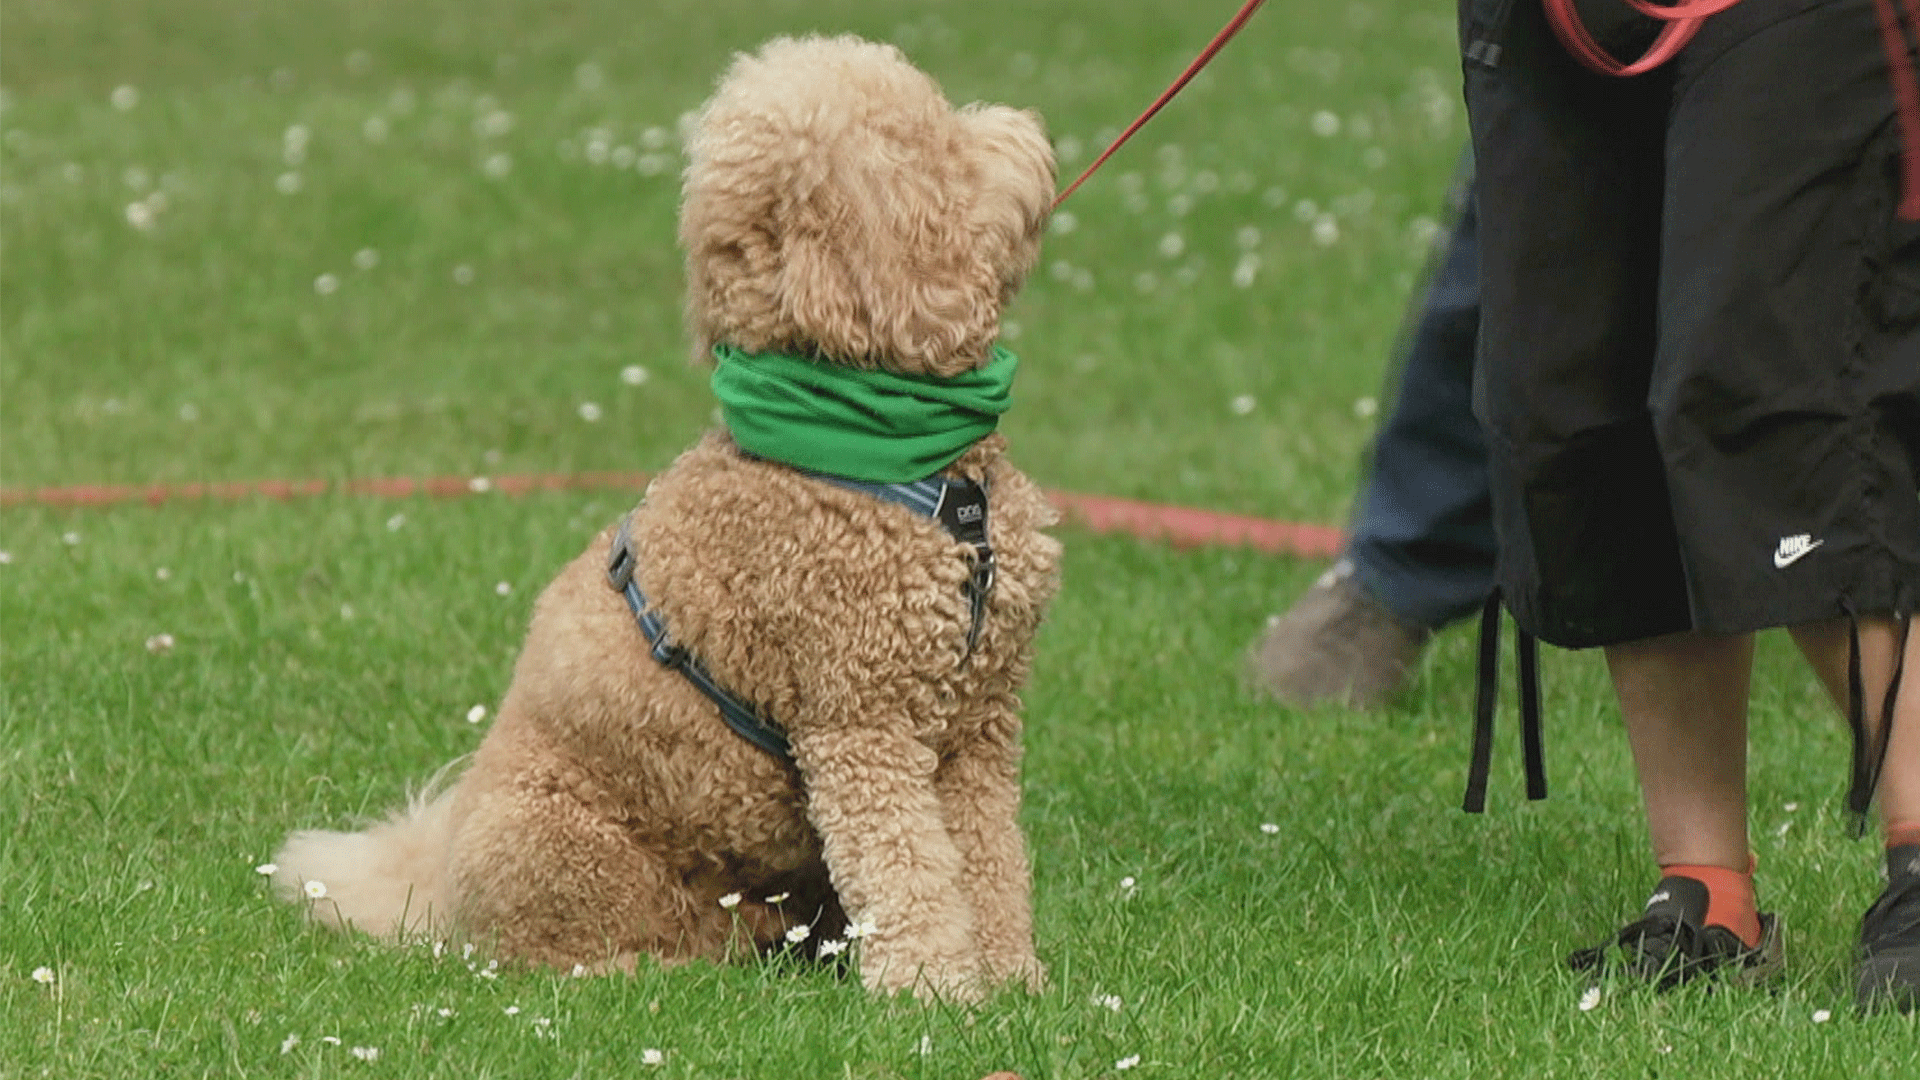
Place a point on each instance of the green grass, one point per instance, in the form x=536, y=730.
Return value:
x=326, y=652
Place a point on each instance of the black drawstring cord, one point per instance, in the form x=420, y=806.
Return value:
x=1859, y=784
x=1528, y=650
x=1486, y=697
x=1869, y=754
x=1486, y=690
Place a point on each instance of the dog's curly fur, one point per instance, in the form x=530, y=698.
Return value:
x=835, y=205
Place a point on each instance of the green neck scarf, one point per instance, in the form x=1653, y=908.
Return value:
x=864, y=425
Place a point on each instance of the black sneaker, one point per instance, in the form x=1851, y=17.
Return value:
x=1667, y=946
x=1890, y=937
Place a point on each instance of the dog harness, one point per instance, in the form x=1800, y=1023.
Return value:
x=960, y=506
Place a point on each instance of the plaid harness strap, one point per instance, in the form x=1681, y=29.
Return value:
x=960, y=506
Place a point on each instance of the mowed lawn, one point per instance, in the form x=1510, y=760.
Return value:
x=342, y=240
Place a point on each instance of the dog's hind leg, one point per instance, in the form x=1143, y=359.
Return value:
x=545, y=877
x=979, y=790
x=897, y=871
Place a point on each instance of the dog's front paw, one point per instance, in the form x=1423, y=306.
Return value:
x=1028, y=973
x=956, y=979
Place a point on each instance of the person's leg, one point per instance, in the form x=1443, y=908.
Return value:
x=1422, y=546
x=1572, y=190
x=1422, y=541
x=1683, y=698
x=1890, y=931
x=1882, y=642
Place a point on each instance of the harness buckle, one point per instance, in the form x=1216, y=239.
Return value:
x=668, y=654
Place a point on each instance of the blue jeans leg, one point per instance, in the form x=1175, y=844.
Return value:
x=1422, y=539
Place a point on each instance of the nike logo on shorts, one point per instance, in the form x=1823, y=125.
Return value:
x=1792, y=549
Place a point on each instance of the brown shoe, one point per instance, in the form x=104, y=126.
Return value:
x=1336, y=646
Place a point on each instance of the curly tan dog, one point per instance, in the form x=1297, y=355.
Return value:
x=840, y=216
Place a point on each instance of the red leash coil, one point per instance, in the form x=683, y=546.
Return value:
x=1683, y=21
x=1219, y=40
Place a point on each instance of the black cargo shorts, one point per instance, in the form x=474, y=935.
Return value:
x=1699, y=366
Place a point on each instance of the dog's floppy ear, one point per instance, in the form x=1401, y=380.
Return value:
x=1014, y=196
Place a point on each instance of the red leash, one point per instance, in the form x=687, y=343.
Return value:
x=1219, y=40
x=1683, y=20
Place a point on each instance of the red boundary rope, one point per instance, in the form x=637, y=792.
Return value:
x=1181, y=526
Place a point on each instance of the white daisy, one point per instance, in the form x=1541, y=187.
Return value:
x=316, y=889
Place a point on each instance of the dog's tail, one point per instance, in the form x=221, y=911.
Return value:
x=390, y=881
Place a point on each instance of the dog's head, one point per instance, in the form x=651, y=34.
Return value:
x=836, y=204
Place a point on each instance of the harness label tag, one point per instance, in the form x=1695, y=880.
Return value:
x=964, y=513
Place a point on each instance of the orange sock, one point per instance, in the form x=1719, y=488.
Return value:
x=1902, y=833
x=1729, y=898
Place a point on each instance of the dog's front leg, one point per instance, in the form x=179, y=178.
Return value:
x=979, y=789
x=870, y=794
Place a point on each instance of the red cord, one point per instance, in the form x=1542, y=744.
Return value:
x=1906, y=99
x=1683, y=21
x=1225, y=35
